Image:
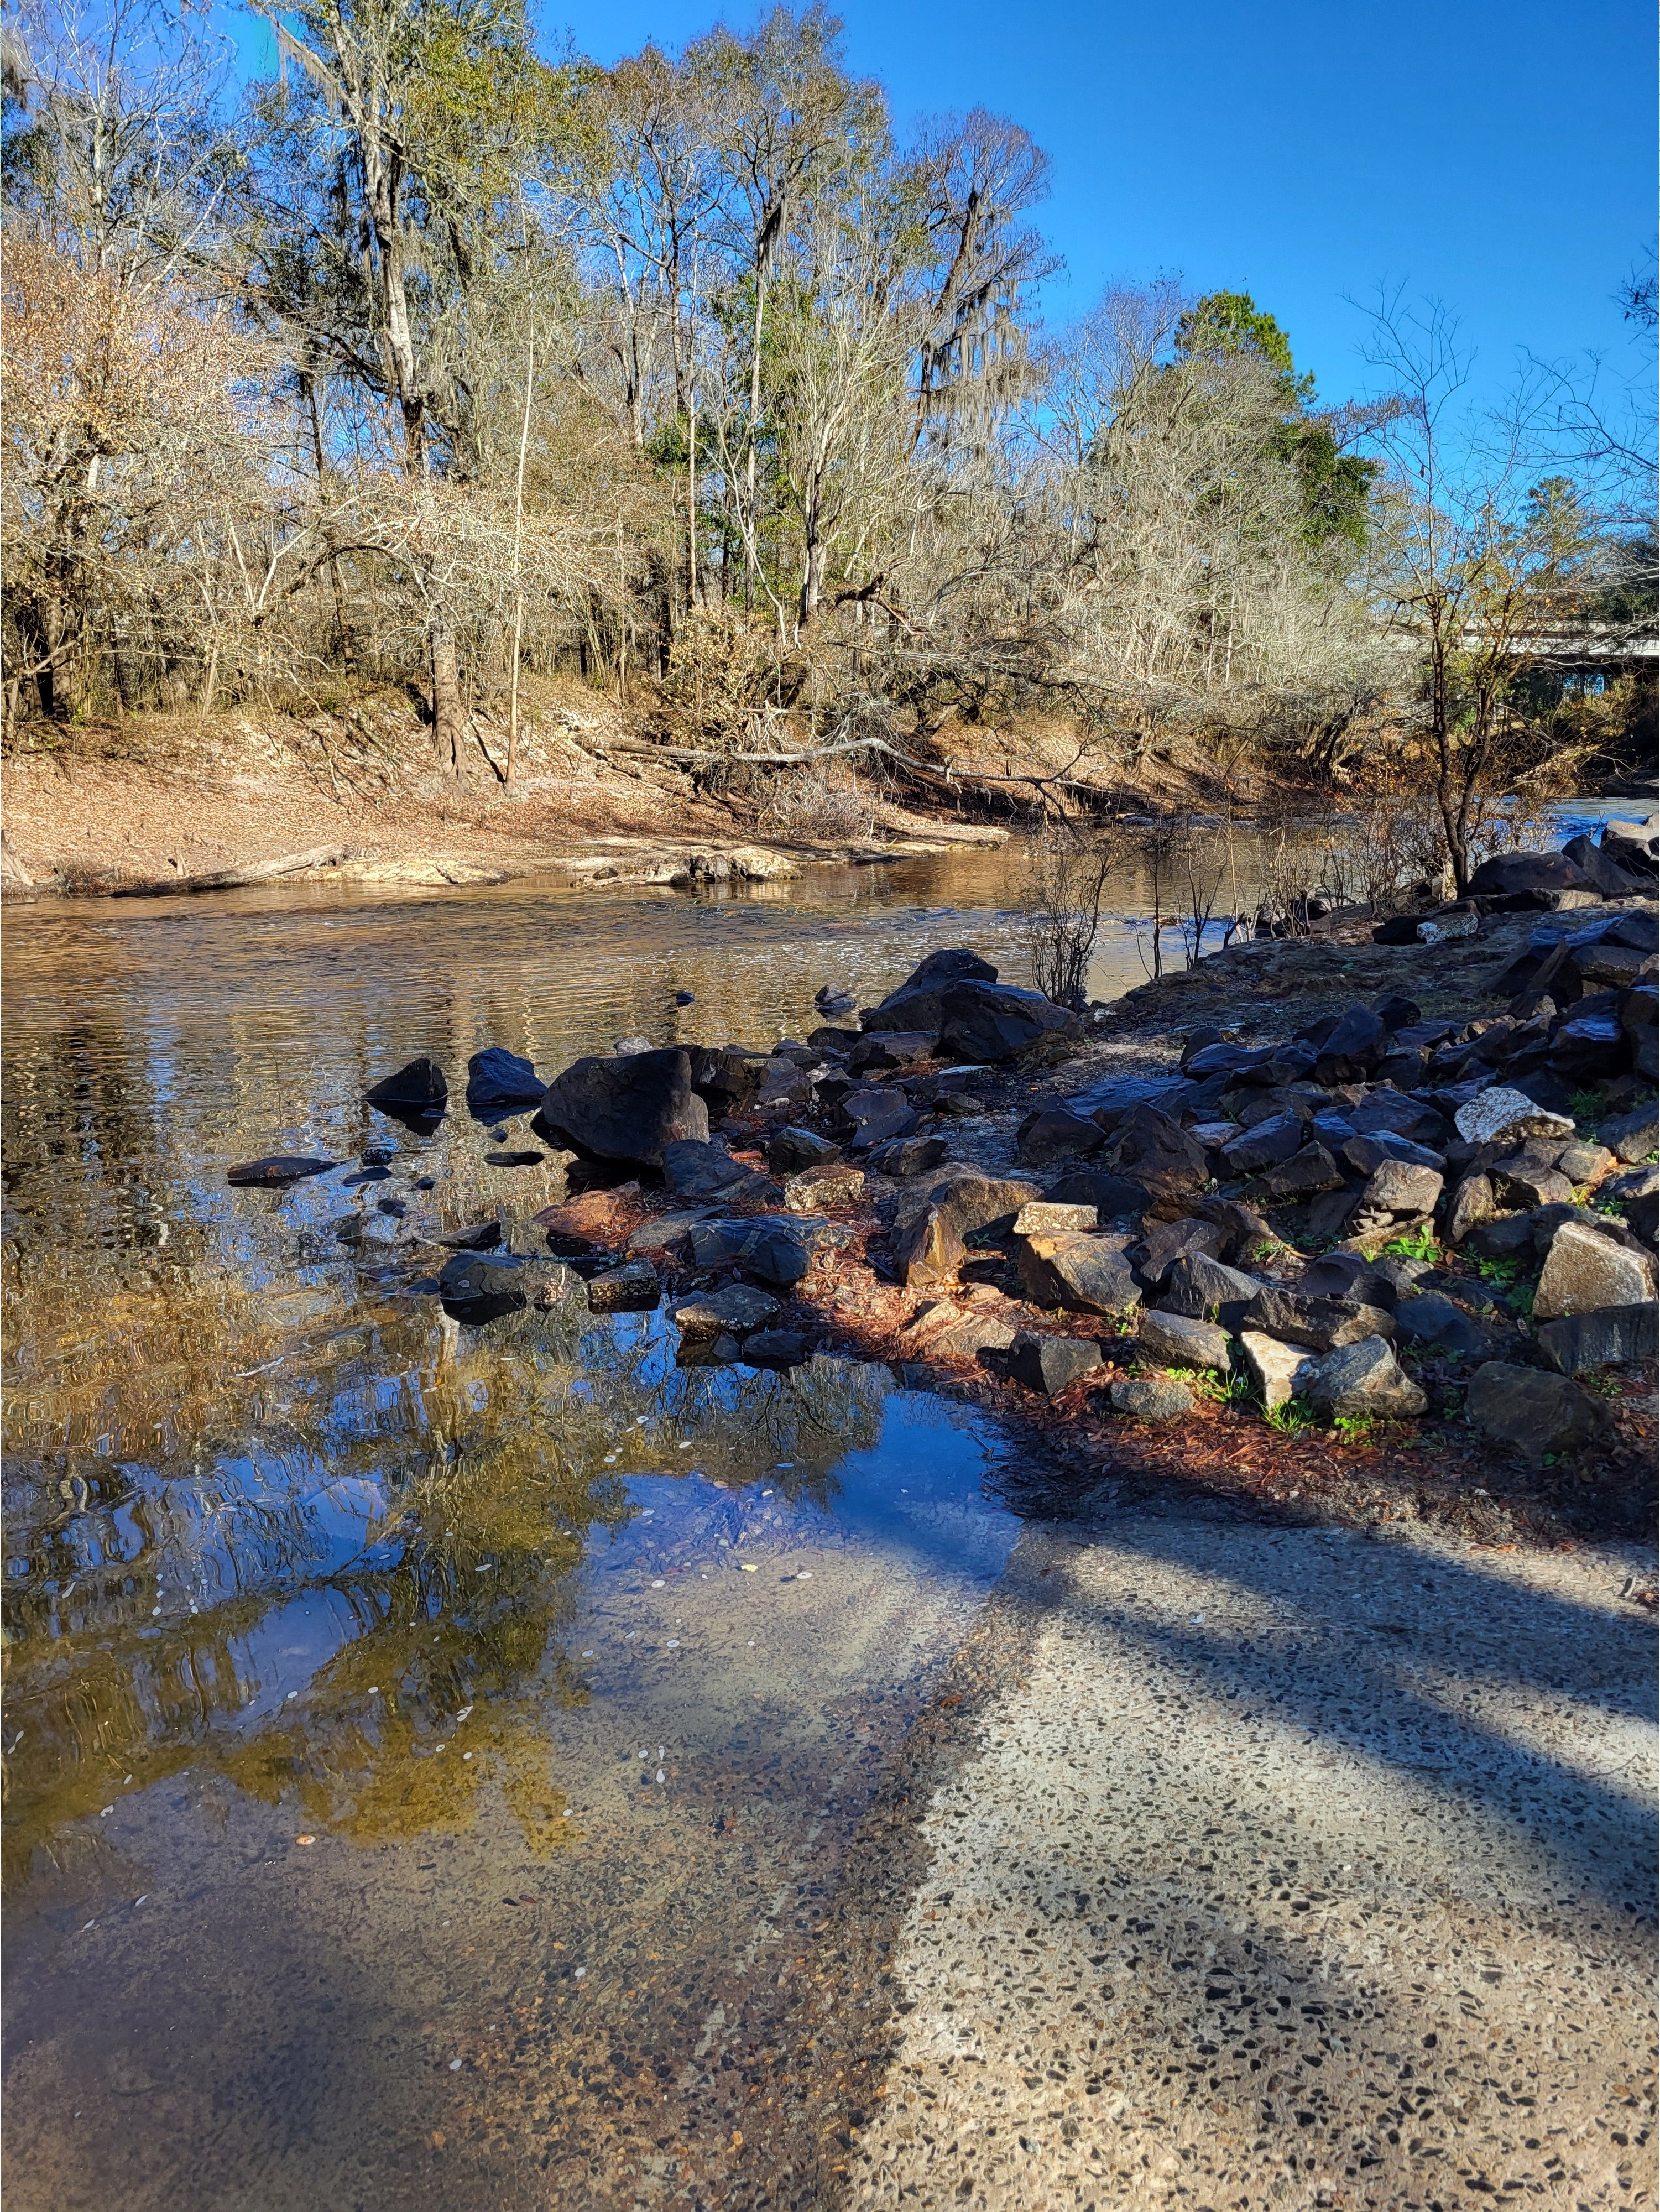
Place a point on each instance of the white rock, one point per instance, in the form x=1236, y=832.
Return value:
x=1043, y=1218
x=1279, y=1370
x=1499, y=1115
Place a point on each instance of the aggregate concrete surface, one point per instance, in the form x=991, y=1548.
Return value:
x=1291, y=1867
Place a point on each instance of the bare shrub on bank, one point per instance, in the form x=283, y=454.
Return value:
x=808, y=806
x=1060, y=907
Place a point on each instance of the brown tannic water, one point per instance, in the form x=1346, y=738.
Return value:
x=428, y=1748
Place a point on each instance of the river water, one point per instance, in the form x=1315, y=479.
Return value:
x=428, y=1749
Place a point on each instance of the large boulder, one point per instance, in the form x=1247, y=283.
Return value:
x=1584, y=1272
x=1079, y=1272
x=1507, y=873
x=416, y=1089
x=500, y=1082
x=627, y=1107
x=1618, y=1336
x=985, y=1022
x=1365, y=1378
x=1535, y=1411
x=1602, y=869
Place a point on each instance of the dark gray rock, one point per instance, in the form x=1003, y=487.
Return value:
x=790, y=1150
x=1201, y=1287
x=874, y=1117
x=1303, y=1175
x=1321, y=1323
x=774, y=1347
x=1184, y=1340
x=1505, y=1237
x=1151, y=1398
x=1107, y=1101
x=737, y=1309
x=1177, y=1239
x=903, y=1156
x=1634, y=1136
x=496, y=1279
x=1365, y=1378
x=987, y=1022
x=275, y=1171
x=1052, y=1133
x=692, y=1169
x=1533, y=1412
x=1079, y=1272
x=1365, y=1154
x=1432, y=1319
x=500, y=1082
x=417, y=1089
x=1352, y=1045
x=891, y=1049
x=477, y=1236
x=1348, y=1275
x=727, y=1077
x=1507, y=873
x=1247, y=1234
x=1115, y=1198
x=779, y=1248
x=1049, y=1363
x=1617, y=1336
x=1156, y=1153
x=1265, y=1146
x=1393, y=1111
x=631, y=1288
x=628, y=1107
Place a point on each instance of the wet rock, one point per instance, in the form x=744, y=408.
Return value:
x=276, y=1170
x=774, y=1347
x=417, y=1089
x=1052, y=1133
x=477, y=1236
x=1049, y=1363
x=554, y=1285
x=1205, y=1289
x=1499, y=1115
x=1151, y=1398
x=500, y=1082
x=778, y=1248
x=628, y=1108
x=1616, y=1336
x=758, y=863
x=1635, y=1136
x=904, y=1156
x=1043, y=1218
x=1585, y=1272
x=1081, y=1273
x=1401, y=1189
x=834, y=1184
x=1365, y=1378
x=891, y=1049
x=494, y=1279
x=833, y=999
x=1535, y=1411
x=1279, y=1370
x=631, y=1288
x=1183, y=1341
x=1115, y=1198
x=597, y=1217
x=738, y=1309
x=1172, y=1241
x=1433, y=1319
x=927, y=1248
x=514, y=1159
x=1266, y=1146
x=875, y=1118
x=1321, y=1323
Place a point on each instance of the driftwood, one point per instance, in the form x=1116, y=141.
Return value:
x=230, y=879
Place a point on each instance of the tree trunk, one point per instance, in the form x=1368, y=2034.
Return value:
x=449, y=721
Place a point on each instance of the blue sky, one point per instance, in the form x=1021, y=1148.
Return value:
x=1500, y=157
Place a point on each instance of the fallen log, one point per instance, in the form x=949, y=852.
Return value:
x=231, y=880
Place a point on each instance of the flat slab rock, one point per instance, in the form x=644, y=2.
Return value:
x=274, y=1170
x=1152, y=1398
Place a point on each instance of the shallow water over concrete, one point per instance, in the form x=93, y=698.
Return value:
x=428, y=1746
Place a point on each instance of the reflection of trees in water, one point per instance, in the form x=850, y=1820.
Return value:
x=427, y=1487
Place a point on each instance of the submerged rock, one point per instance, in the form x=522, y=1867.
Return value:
x=631, y=1288
x=274, y=1170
